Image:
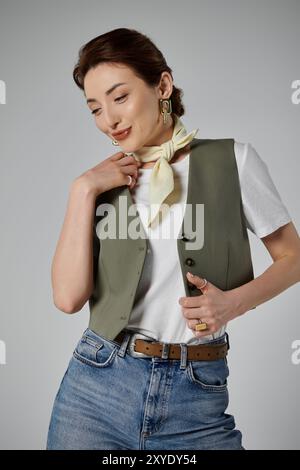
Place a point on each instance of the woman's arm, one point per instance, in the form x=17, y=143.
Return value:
x=72, y=266
x=217, y=307
x=284, y=248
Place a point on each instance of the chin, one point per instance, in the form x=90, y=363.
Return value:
x=131, y=148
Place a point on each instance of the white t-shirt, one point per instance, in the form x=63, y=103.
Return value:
x=156, y=311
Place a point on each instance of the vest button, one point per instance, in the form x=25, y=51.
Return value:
x=189, y=261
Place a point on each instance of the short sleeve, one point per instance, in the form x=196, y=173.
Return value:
x=263, y=207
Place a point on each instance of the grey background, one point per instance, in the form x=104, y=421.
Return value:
x=235, y=61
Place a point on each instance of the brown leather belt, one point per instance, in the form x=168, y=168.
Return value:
x=200, y=352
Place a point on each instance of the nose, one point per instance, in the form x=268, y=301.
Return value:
x=112, y=122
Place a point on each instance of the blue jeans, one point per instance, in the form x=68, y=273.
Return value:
x=109, y=399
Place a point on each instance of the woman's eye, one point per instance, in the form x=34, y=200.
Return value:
x=117, y=99
x=120, y=97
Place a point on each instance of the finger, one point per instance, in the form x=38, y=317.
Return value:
x=129, y=160
x=201, y=283
x=192, y=323
x=190, y=302
x=191, y=313
x=130, y=170
x=132, y=183
x=211, y=327
x=117, y=156
x=207, y=331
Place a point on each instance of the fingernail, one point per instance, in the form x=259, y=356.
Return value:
x=190, y=274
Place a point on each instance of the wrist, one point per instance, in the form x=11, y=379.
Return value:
x=82, y=187
x=237, y=307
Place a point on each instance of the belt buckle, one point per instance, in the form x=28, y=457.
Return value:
x=131, y=345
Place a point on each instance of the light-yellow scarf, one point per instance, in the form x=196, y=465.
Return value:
x=161, y=178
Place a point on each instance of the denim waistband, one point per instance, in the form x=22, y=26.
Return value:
x=96, y=336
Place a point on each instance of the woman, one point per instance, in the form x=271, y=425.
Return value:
x=150, y=371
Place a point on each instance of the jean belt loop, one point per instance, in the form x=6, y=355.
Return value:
x=227, y=339
x=123, y=347
x=165, y=351
x=183, y=356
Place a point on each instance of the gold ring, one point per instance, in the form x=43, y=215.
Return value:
x=201, y=326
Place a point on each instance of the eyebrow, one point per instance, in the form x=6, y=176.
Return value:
x=108, y=92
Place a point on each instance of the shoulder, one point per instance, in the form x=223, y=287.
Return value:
x=243, y=153
x=248, y=159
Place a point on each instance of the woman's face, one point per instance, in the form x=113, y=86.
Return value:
x=133, y=104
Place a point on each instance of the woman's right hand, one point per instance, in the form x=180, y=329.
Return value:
x=111, y=173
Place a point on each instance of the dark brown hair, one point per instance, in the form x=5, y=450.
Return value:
x=132, y=48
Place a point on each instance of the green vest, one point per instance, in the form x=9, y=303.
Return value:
x=224, y=259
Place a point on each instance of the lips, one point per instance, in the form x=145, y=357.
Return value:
x=123, y=134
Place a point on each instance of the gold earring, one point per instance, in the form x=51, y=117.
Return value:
x=114, y=142
x=165, y=109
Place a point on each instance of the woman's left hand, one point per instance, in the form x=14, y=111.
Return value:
x=215, y=308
